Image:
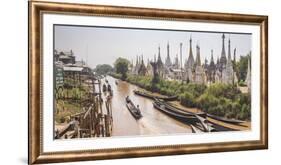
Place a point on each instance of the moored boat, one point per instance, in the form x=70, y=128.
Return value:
x=187, y=118
x=133, y=109
x=181, y=111
x=153, y=96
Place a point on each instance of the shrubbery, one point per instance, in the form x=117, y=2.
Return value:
x=217, y=99
x=225, y=100
x=187, y=99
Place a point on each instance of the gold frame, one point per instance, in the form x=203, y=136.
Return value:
x=36, y=10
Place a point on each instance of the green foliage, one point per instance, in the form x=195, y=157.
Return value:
x=207, y=101
x=187, y=99
x=115, y=75
x=103, y=69
x=142, y=81
x=242, y=83
x=224, y=90
x=217, y=99
x=242, y=67
x=121, y=67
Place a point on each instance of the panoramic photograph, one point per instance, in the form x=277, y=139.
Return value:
x=117, y=82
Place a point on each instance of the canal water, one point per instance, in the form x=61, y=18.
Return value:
x=153, y=122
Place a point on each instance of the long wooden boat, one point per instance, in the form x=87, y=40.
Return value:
x=152, y=96
x=206, y=125
x=133, y=109
x=181, y=111
x=223, y=119
x=187, y=118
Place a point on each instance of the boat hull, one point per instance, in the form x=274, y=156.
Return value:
x=133, y=110
x=180, y=117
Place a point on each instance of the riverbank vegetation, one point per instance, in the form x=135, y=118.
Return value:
x=121, y=67
x=103, y=69
x=217, y=99
x=69, y=101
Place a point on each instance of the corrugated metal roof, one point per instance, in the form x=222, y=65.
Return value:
x=73, y=69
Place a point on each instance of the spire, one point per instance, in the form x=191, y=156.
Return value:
x=234, y=55
x=190, y=60
x=180, y=55
x=212, y=55
x=159, y=50
x=168, y=49
x=159, y=56
x=212, y=63
x=176, y=64
x=190, y=48
x=168, y=62
x=229, y=50
x=198, y=60
x=159, y=61
x=223, y=55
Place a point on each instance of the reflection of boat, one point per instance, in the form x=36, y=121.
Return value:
x=111, y=92
x=188, y=117
x=133, y=109
x=104, y=88
x=108, y=88
x=231, y=121
x=153, y=96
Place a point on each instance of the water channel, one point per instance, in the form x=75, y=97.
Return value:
x=153, y=121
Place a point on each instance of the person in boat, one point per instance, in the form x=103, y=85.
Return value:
x=127, y=99
x=138, y=109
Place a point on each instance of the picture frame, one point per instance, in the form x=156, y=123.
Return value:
x=37, y=21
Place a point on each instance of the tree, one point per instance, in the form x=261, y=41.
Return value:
x=103, y=69
x=121, y=67
x=242, y=67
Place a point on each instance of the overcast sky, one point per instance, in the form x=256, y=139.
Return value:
x=99, y=45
